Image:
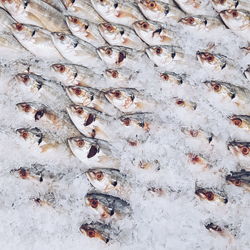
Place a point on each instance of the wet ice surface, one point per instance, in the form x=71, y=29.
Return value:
x=174, y=220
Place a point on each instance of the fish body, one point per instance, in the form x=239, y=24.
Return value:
x=202, y=23
x=159, y=11
x=75, y=50
x=93, y=152
x=239, y=179
x=193, y=7
x=221, y=5
x=241, y=121
x=107, y=206
x=37, y=40
x=5, y=21
x=154, y=33
x=165, y=55
x=120, y=35
x=120, y=12
x=85, y=30
x=238, y=21
x=211, y=195
x=106, y=179
x=240, y=149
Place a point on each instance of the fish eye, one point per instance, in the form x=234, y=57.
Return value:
x=109, y=27
x=195, y=158
x=24, y=134
x=117, y=93
x=144, y=25
x=209, y=57
x=26, y=107
x=24, y=78
x=74, y=20
x=90, y=232
x=209, y=195
x=77, y=91
x=237, y=121
x=22, y=173
x=61, y=37
x=245, y=150
x=80, y=143
x=194, y=133
x=99, y=176
x=216, y=87
x=190, y=20
x=234, y=13
x=126, y=121
x=180, y=102
x=93, y=203
x=108, y=51
x=158, y=50
x=79, y=111
x=151, y=5
x=19, y=26
x=165, y=76
x=221, y=1
x=237, y=182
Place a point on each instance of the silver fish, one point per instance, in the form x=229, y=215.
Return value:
x=154, y=33
x=76, y=51
x=82, y=9
x=85, y=30
x=37, y=40
x=221, y=5
x=211, y=195
x=238, y=21
x=120, y=12
x=241, y=121
x=160, y=12
x=119, y=76
x=193, y=7
x=106, y=179
x=5, y=21
x=120, y=35
x=107, y=206
x=239, y=179
x=38, y=13
x=93, y=152
x=172, y=78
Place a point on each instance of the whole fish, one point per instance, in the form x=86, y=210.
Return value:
x=185, y=104
x=202, y=23
x=70, y=74
x=172, y=78
x=215, y=62
x=115, y=11
x=36, y=139
x=221, y=5
x=96, y=230
x=37, y=40
x=235, y=94
x=240, y=149
x=82, y=9
x=154, y=33
x=238, y=21
x=75, y=50
x=93, y=152
x=193, y=7
x=247, y=73
x=198, y=134
x=85, y=30
x=38, y=13
x=90, y=122
x=121, y=35
x=129, y=100
x=106, y=179
x=159, y=11
x=107, y=206
x=211, y=195
x=5, y=21
x=239, y=179
x=120, y=76
x=90, y=97
x=117, y=56
x=165, y=55
x=241, y=121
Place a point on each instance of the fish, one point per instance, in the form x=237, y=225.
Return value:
x=107, y=206
x=247, y=73
x=117, y=56
x=120, y=76
x=90, y=97
x=129, y=100
x=185, y=104
x=5, y=21
x=154, y=33
x=160, y=12
x=172, y=78
x=136, y=120
x=235, y=94
x=37, y=40
x=198, y=134
x=90, y=122
x=238, y=21
x=239, y=179
x=165, y=55
x=36, y=111
x=239, y=149
x=85, y=30
x=202, y=23
x=36, y=139
x=213, y=62
x=120, y=35
x=119, y=12
x=82, y=9
x=106, y=179
x=220, y=5
x=193, y=7
x=198, y=160
x=70, y=74
x=96, y=230
x=241, y=121
x=211, y=195
x=93, y=152
x=75, y=50
x=37, y=13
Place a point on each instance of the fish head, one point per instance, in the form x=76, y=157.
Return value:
x=64, y=72
x=209, y=195
x=210, y=60
x=171, y=78
x=68, y=3
x=221, y=89
x=183, y=103
x=220, y=5
x=33, y=135
x=109, y=30
x=213, y=227
x=77, y=24
x=136, y=120
x=240, y=148
x=160, y=54
x=32, y=110
x=152, y=9
x=240, y=121
x=191, y=21
x=121, y=75
x=82, y=146
x=21, y=173
x=111, y=55
x=235, y=180
x=234, y=18
x=22, y=31
x=120, y=98
x=64, y=41
x=112, y=74
x=26, y=80
x=79, y=94
x=92, y=232
x=143, y=26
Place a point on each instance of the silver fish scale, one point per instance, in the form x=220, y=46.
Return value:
x=131, y=72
